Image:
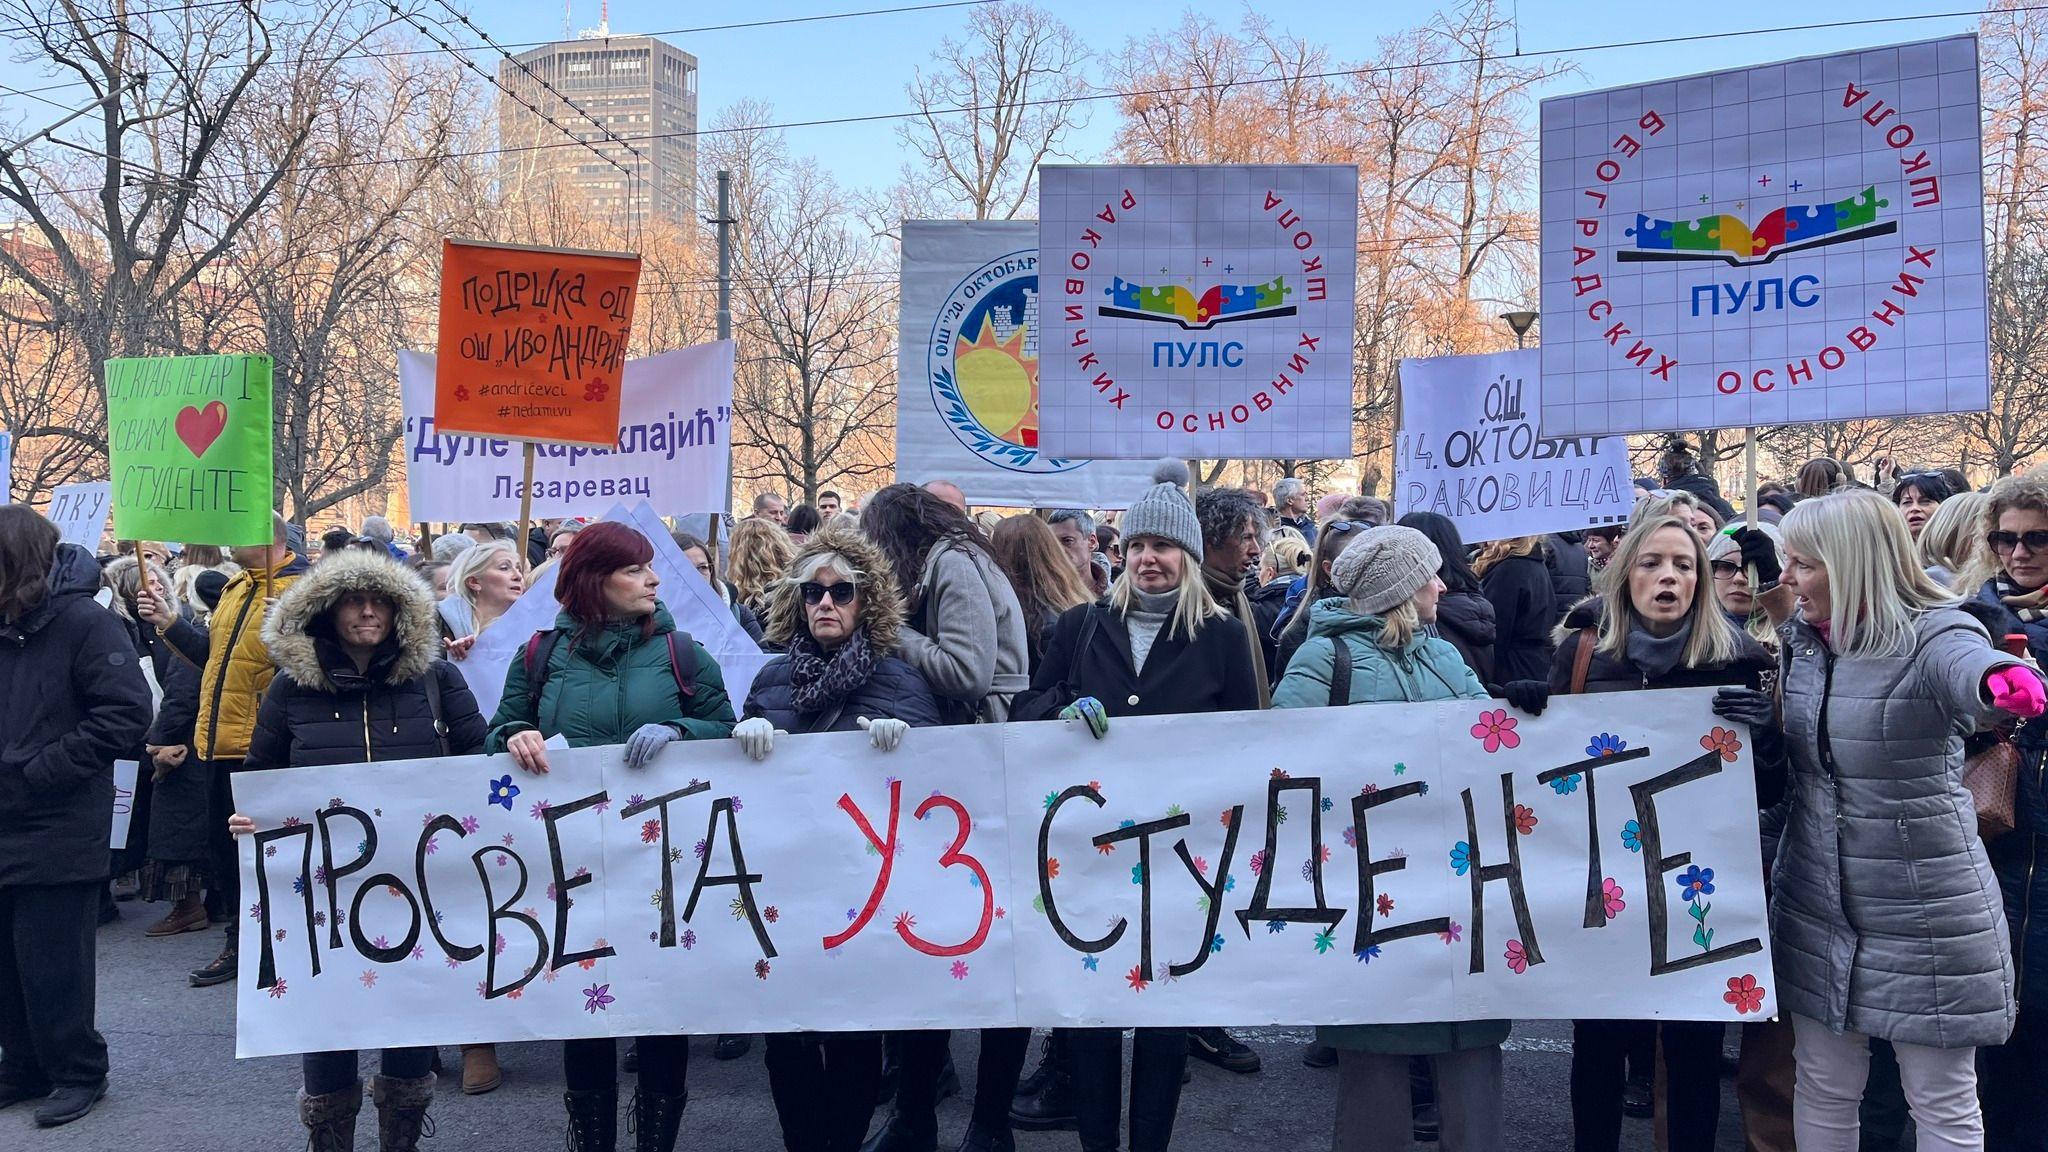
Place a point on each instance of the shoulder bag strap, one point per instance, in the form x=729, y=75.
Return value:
x=433, y=686
x=1340, y=672
x=1582, y=658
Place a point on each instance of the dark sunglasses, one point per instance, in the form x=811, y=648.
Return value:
x=2003, y=543
x=1340, y=527
x=841, y=593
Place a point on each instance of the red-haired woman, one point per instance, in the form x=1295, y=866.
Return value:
x=605, y=674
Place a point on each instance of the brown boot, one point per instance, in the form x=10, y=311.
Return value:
x=402, y=1111
x=187, y=915
x=480, y=1072
x=330, y=1119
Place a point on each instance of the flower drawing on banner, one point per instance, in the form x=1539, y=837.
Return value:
x=1495, y=730
x=1385, y=904
x=1090, y=963
x=277, y=990
x=739, y=908
x=469, y=825
x=1273, y=926
x=589, y=962
x=380, y=942
x=1258, y=862
x=539, y=811
x=1745, y=994
x=419, y=951
x=1051, y=798
x=959, y=969
x=1461, y=857
x=368, y=978
x=1052, y=867
x=1002, y=912
x=1216, y=943
x=1453, y=934
x=1605, y=744
x=506, y=840
x=597, y=998
x=1105, y=849
x=1565, y=785
x=1518, y=960
x=1611, y=897
x=1632, y=836
x=688, y=939
x=760, y=969
x=1136, y=978
x=1724, y=741
x=1202, y=865
x=650, y=831
x=905, y=922
x=1137, y=873
x=1351, y=836
x=1525, y=819
x=1367, y=954
x=771, y=914
x=255, y=911
x=1224, y=819
x=270, y=849
x=503, y=791
x=1697, y=883
x=1325, y=940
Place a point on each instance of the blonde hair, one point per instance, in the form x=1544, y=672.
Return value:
x=1192, y=609
x=863, y=564
x=2021, y=492
x=1877, y=588
x=761, y=552
x=1724, y=547
x=1288, y=554
x=1494, y=551
x=1953, y=538
x=1399, y=625
x=1713, y=639
x=470, y=563
x=1663, y=502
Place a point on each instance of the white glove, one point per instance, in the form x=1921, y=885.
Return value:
x=885, y=733
x=757, y=736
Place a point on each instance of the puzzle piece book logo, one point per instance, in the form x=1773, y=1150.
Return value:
x=1794, y=228
x=1219, y=304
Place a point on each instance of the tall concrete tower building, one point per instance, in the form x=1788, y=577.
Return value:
x=642, y=89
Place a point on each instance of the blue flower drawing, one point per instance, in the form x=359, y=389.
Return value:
x=1605, y=744
x=1565, y=785
x=1631, y=836
x=1461, y=857
x=502, y=792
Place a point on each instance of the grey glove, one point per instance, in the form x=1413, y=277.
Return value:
x=643, y=744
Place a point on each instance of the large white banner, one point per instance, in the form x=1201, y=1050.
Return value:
x=696, y=608
x=1793, y=242
x=967, y=367
x=1470, y=451
x=675, y=411
x=80, y=512
x=1198, y=310
x=1399, y=863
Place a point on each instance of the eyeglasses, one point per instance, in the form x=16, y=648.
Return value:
x=841, y=593
x=2004, y=543
x=1725, y=569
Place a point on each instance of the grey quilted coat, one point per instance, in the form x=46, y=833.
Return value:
x=1887, y=918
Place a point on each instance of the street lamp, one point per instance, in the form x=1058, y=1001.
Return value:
x=1521, y=322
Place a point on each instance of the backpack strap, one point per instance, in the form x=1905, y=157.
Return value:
x=1582, y=658
x=1089, y=624
x=540, y=652
x=1340, y=673
x=433, y=686
x=682, y=661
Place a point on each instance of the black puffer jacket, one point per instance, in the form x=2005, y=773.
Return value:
x=1466, y=620
x=1524, y=610
x=322, y=710
x=1268, y=601
x=894, y=689
x=73, y=700
x=1571, y=572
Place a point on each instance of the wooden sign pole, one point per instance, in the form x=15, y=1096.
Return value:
x=1749, y=476
x=525, y=505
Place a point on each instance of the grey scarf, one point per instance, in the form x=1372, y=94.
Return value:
x=1148, y=614
x=1655, y=656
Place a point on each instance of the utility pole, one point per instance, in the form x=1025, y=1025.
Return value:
x=725, y=221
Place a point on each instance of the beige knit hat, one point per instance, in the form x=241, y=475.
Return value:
x=1385, y=567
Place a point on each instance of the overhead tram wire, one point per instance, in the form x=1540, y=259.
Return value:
x=391, y=53
x=1181, y=89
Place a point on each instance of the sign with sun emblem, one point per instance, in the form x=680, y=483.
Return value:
x=967, y=405
x=1199, y=310
x=1788, y=243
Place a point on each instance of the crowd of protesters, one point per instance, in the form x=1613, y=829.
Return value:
x=1879, y=640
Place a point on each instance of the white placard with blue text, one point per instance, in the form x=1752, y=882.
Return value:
x=1470, y=451
x=1787, y=243
x=675, y=413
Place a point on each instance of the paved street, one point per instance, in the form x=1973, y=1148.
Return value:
x=177, y=1086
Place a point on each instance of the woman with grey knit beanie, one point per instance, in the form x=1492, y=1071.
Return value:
x=1368, y=645
x=1159, y=645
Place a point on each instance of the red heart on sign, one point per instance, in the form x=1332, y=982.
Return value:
x=200, y=427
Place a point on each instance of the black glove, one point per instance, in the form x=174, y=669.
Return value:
x=1526, y=695
x=1759, y=555
x=1746, y=706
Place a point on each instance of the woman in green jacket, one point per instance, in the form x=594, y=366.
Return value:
x=613, y=670
x=1388, y=577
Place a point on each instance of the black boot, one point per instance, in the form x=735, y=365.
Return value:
x=402, y=1111
x=896, y=1136
x=1050, y=1103
x=656, y=1116
x=981, y=1138
x=732, y=1046
x=330, y=1119
x=223, y=967
x=1051, y=1051
x=593, y=1119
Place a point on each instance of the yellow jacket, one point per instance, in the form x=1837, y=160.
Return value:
x=238, y=667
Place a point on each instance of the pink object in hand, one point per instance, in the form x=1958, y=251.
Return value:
x=2017, y=690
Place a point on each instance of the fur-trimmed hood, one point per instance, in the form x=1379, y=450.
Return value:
x=881, y=605
x=296, y=639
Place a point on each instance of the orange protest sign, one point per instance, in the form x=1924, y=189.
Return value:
x=533, y=341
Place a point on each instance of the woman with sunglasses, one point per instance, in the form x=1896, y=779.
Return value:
x=1916, y=497
x=1159, y=646
x=613, y=670
x=2015, y=1110
x=838, y=617
x=1291, y=629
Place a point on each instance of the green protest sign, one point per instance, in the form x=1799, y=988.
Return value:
x=188, y=441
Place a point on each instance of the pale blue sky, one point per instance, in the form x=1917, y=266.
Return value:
x=860, y=66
